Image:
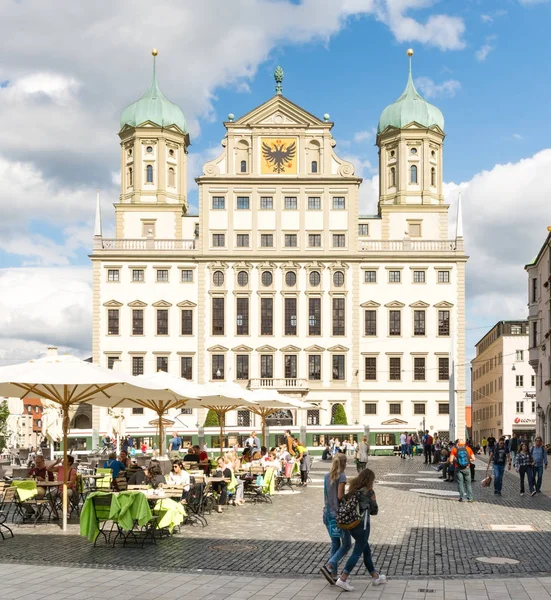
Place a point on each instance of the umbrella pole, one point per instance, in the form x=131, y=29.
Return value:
x=161, y=436
x=221, y=416
x=65, y=408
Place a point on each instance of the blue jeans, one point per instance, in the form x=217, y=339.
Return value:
x=463, y=477
x=498, y=477
x=538, y=477
x=529, y=472
x=404, y=449
x=339, y=548
x=361, y=546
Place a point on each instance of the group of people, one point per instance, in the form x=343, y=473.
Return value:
x=358, y=450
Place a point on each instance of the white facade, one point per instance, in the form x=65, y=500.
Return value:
x=539, y=320
x=279, y=282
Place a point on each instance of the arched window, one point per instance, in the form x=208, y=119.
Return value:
x=243, y=166
x=171, y=177
x=130, y=177
x=149, y=174
x=413, y=174
x=314, y=166
x=433, y=176
x=392, y=177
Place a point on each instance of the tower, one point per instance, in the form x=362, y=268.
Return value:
x=154, y=148
x=410, y=138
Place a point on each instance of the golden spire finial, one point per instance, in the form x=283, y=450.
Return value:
x=154, y=52
x=410, y=52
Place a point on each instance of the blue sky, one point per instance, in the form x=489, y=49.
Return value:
x=68, y=75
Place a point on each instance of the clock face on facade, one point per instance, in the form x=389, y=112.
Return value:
x=278, y=155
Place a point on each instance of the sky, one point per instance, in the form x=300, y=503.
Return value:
x=68, y=69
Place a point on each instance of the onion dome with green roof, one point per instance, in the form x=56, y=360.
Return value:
x=153, y=106
x=410, y=107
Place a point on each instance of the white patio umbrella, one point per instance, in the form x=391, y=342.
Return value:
x=69, y=381
x=13, y=422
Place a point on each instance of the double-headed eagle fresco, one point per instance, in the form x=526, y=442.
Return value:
x=279, y=155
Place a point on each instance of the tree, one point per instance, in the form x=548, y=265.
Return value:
x=212, y=419
x=4, y=414
x=339, y=416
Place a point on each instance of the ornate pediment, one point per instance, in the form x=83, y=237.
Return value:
x=217, y=348
x=314, y=348
x=137, y=304
x=266, y=348
x=112, y=304
x=314, y=264
x=290, y=348
x=394, y=422
x=444, y=304
x=338, y=265
x=278, y=112
x=186, y=304
x=338, y=348
x=419, y=304
x=395, y=304
x=242, y=348
x=290, y=264
x=370, y=304
x=161, y=304
x=239, y=266
x=218, y=265
x=266, y=265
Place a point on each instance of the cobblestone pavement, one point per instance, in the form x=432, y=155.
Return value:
x=421, y=532
x=19, y=582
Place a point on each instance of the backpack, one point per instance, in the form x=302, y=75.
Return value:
x=428, y=441
x=462, y=456
x=348, y=513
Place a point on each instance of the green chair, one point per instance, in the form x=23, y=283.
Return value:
x=105, y=482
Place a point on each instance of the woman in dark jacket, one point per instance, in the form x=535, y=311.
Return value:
x=221, y=487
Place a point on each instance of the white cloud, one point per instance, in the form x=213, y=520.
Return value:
x=489, y=18
x=362, y=136
x=517, y=136
x=482, y=53
x=446, y=89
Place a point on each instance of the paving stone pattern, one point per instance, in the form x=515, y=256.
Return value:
x=416, y=534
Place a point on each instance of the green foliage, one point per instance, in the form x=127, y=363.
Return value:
x=212, y=419
x=339, y=417
x=4, y=414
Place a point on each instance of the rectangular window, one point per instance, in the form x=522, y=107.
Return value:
x=138, y=275
x=534, y=294
x=312, y=417
x=419, y=370
x=519, y=379
x=339, y=203
x=418, y=276
x=137, y=321
x=162, y=275
x=242, y=318
x=314, y=240
x=266, y=203
x=363, y=229
x=187, y=275
x=418, y=322
x=243, y=418
x=266, y=316
x=520, y=355
x=339, y=316
x=266, y=366
x=162, y=364
x=290, y=240
x=394, y=277
x=394, y=408
x=394, y=322
x=113, y=321
x=218, y=203
x=314, y=203
x=533, y=406
x=186, y=367
x=395, y=368
x=162, y=321
x=419, y=408
x=314, y=316
x=370, y=408
x=218, y=361
x=290, y=202
x=338, y=367
x=443, y=276
x=242, y=240
x=339, y=240
x=242, y=366
x=111, y=362
x=314, y=367
x=371, y=322
x=443, y=408
x=414, y=229
x=290, y=316
x=534, y=334
x=371, y=276
x=520, y=407
x=532, y=381
x=113, y=275
x=218, y=316
x=242, y=203
x=290, y=361
x=443, y=322
x=137, y=365
x=137, y=411
x=266, y=240
x=218, y=240
x=443, y=369
x=370, y=368
x=187, y=322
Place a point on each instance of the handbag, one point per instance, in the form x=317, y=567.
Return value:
x=487, y=481
x=333, y=528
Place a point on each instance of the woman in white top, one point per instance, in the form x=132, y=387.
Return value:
x=179, y=476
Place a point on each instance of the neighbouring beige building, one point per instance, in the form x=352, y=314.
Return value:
x=503, y=395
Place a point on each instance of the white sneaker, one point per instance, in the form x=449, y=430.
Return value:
x=380, y=579
x=344, y=585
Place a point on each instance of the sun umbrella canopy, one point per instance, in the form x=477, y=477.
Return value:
x=225, y=394
x=52, y=421
x=270, y=398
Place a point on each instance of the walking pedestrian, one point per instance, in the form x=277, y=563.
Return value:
x=514, y=447
x=363, y=454
x=334, y=484
x=403, y=445
x=409, y=442
x=524, y=466
x=462, y=456
x=539, y=456
x=500, y=458
x=491, y=444
x=427, y=447
x=362, y=488
x=484, y=444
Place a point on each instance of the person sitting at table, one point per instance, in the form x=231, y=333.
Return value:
x=40, y=473
x=246, y=457
x=272, y=461
x=124, y=459
x=191, y=456
x=203, y=459
x=239, y=489
x=115, y=465
x=72, y=494
x=178, y=476
x=221, y=487
x=151, y=475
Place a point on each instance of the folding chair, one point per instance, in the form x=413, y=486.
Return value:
x=102, y=510
x=104, y=484
x=6, y=500
x=195, y=503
